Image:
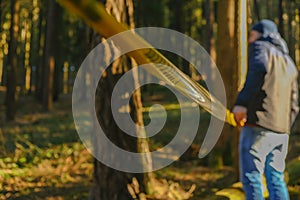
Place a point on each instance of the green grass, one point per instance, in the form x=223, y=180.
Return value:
x=43, y=157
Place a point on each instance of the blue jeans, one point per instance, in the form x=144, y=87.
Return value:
x=263, y=152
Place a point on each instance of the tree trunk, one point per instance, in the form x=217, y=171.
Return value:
x=1, y=49
x=34, y=45
x=58, y=53
x=227, y=64
x=12, y=67
x=250, y=13
x=257, y=10
x=40, y=52
x=291, y=40
x=1, y=17
x=210, y=20
x=297, y=44
x=28, y=38
x=269, y=9
x=242, y=63
x=49, y=56
x=111, y=184
x=281, y=6
x=179, y=25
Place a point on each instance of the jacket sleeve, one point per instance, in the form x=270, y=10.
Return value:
x=257, y=65
x=294, y=101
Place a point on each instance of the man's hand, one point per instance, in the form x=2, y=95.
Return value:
x=240, y=115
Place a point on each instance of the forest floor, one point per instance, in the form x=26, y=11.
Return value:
x=42, y=157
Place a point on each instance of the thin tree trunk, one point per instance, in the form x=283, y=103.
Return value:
x=1, y=48
x=297, y=44
x=34, y=46
x=1, y=16
x=210, y=19
x=58, y=53
x=250, y=13
x=27, y=55
x=241, y=47
x=49, y=56
x=291, y=33
x=40, y=52
x=12, y=68
x=281, y=6
x=257, y=10
x=179, y=25
x=147, y=179
x=269, y=9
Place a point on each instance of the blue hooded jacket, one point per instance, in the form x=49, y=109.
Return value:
x=270, y=93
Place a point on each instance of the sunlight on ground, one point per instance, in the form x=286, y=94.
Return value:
x=42, y=157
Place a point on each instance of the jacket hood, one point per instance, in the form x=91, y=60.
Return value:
x=276, y=40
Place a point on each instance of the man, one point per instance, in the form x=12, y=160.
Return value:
x=268, y=105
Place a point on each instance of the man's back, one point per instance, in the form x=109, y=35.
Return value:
x=274, y=78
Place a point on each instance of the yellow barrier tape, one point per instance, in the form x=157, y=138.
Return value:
x=95, y=15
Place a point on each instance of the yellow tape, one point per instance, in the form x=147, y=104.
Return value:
x=230, y=118
x=95, y=15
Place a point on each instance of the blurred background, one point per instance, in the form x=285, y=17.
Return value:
x=42, y=45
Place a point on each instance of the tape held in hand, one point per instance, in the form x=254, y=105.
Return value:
x=230, y=118
x=150, y=59
x=107, y=26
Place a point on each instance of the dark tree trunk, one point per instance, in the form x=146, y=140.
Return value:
x=49, y=56
x=40, y=52
x=281, y=6
x=34, y=46
x=111, y=184
x=291, y=33
x=12, y=68
x=210, y=19
x=57, y=83
x=2, y=54
x=257, y=10
x=179, y=24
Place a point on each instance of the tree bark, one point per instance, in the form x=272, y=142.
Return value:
x=179, y=24
x=58, y=53
x=27, y=47
x=227, y=64
x=49, y=56
x=1, y=8
x=34, y=45
x=242, y=62
x=108, y=183
x=210, y=20
x=1, y=47
x=40, y=52
x=12, y=68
